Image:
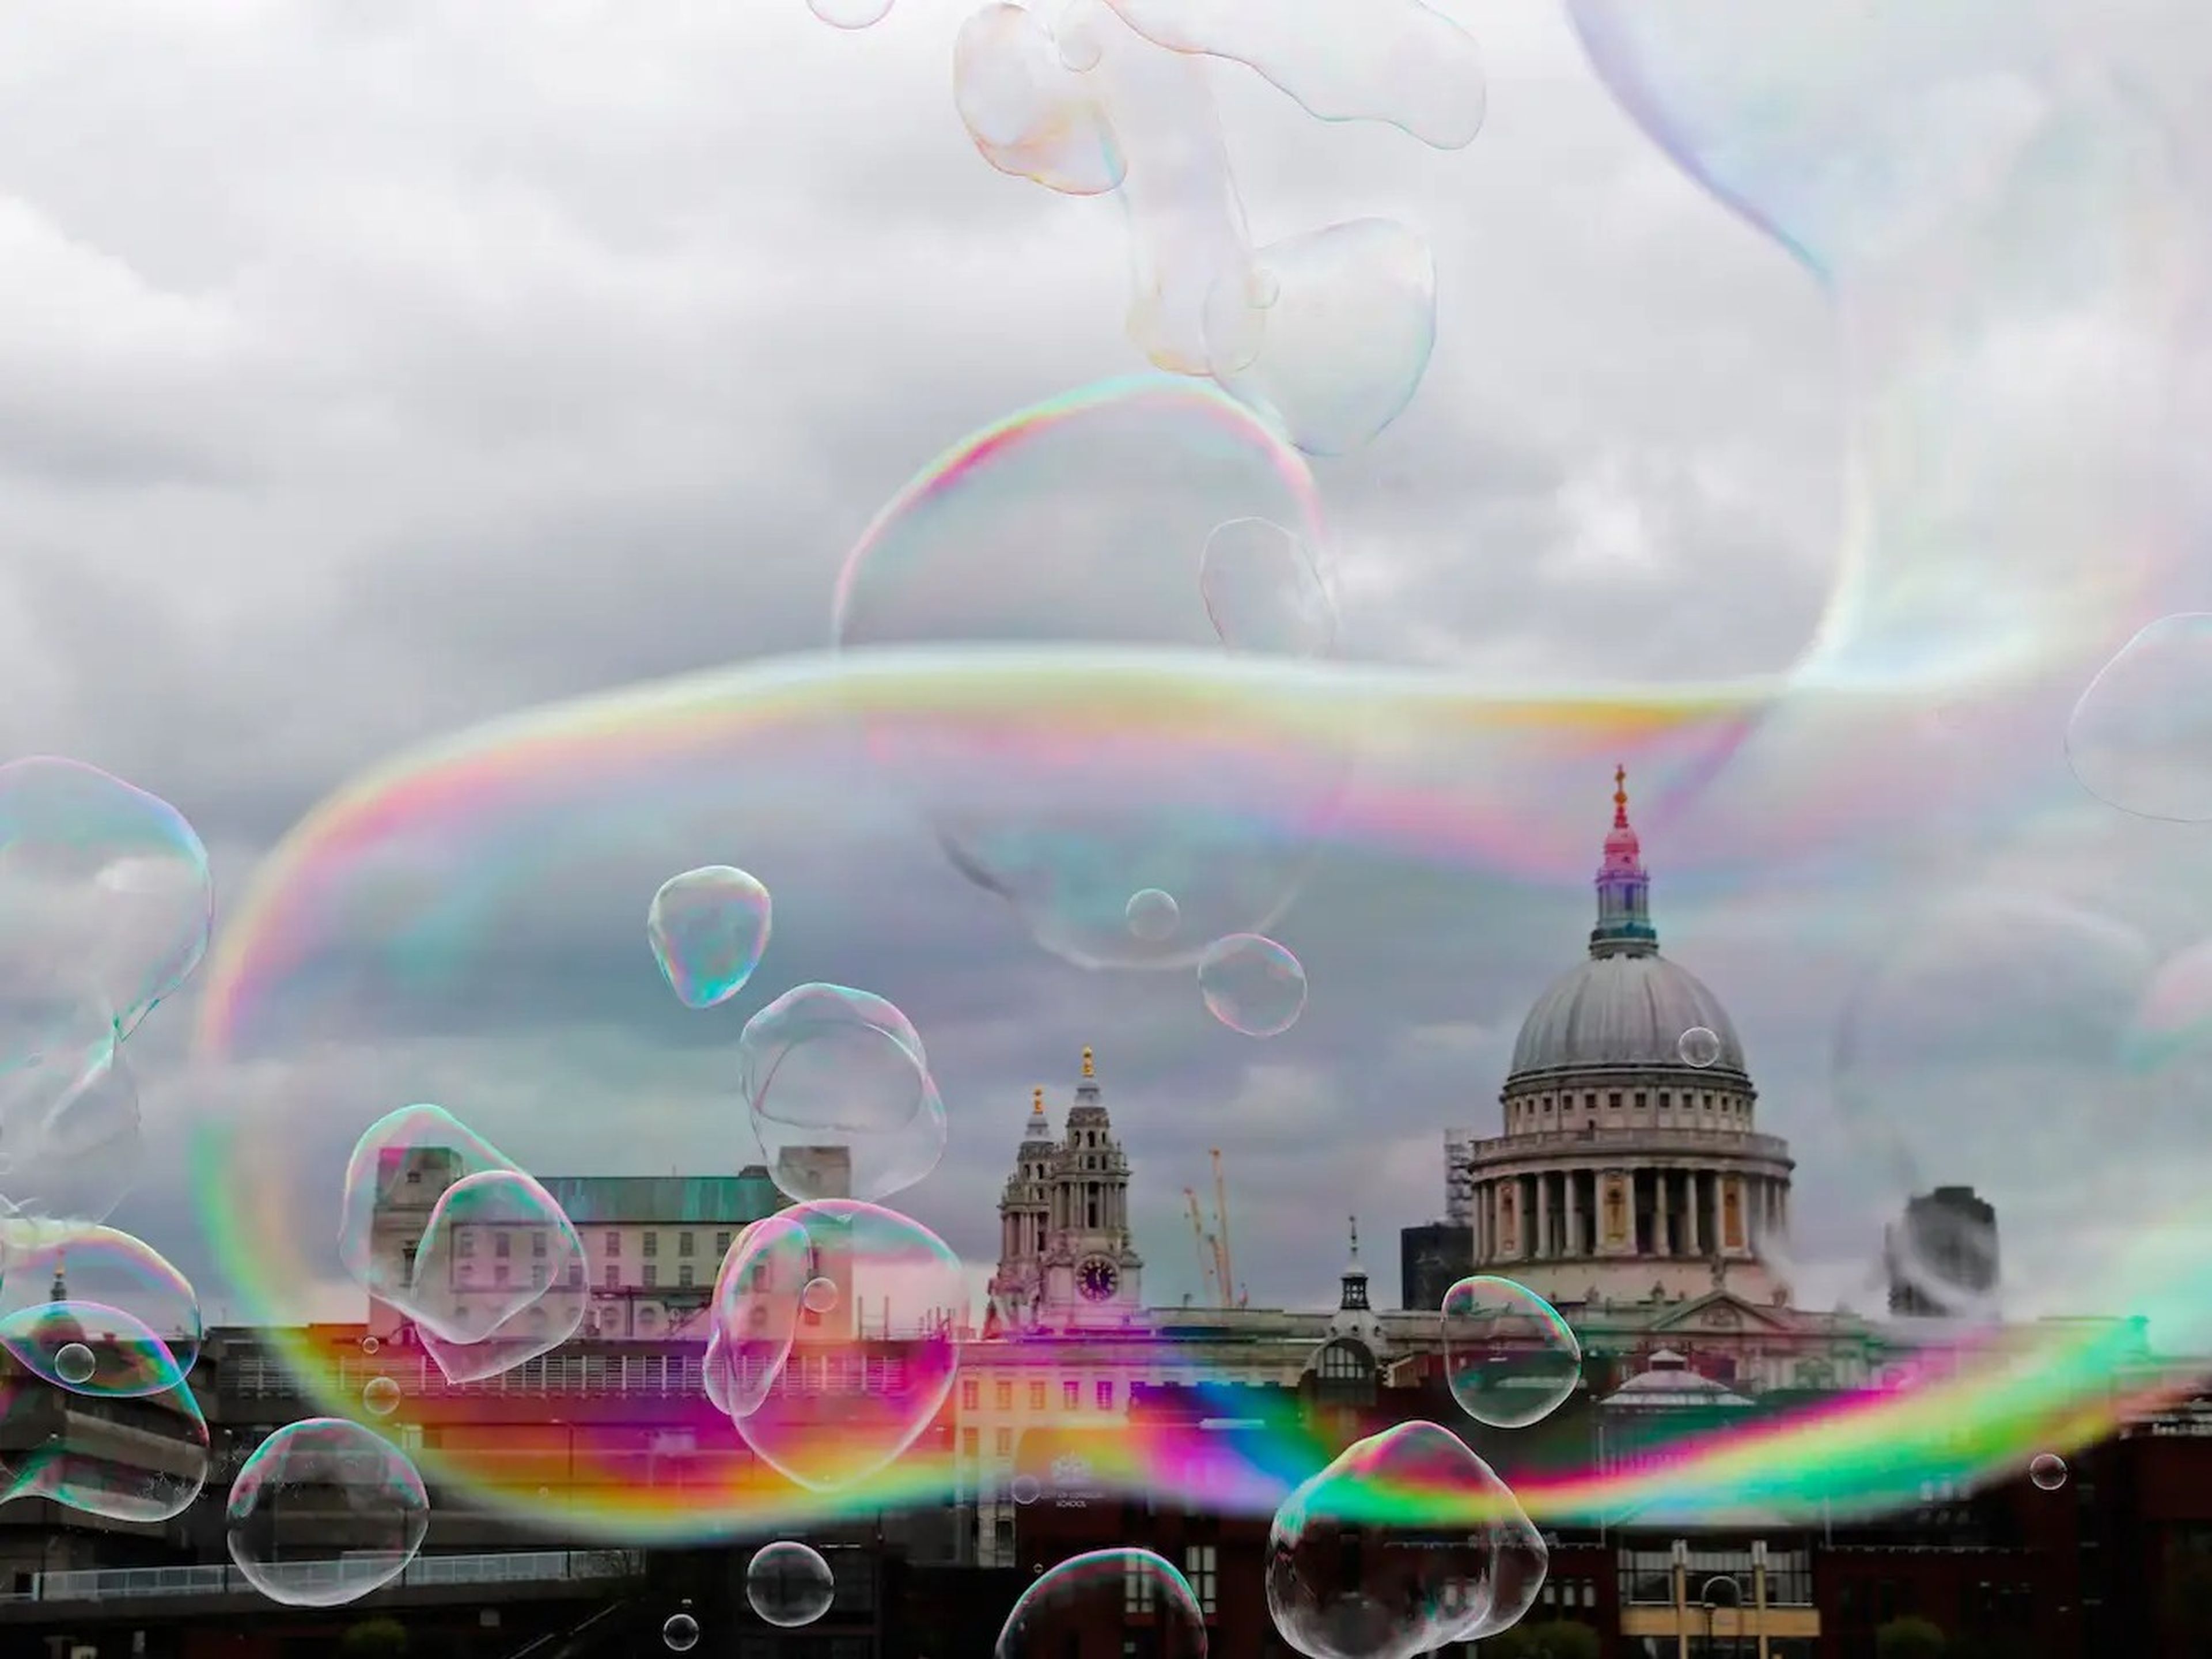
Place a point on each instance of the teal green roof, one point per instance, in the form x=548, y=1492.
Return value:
x=589, y=1200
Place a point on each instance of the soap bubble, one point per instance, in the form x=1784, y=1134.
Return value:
x=324, y=1512
x=1026, y=1489
x=1082, y=520
x=708, y=928
x=1253, y=985
x=1333, y=342
x=101, y=1267
x=474, y=1321
x=71, y=1137
x=75, y=1364
x=2048, y=1471
x=87, y=1348
x=1130, y=1590
x=789, y=1584
x=2141, y=737
x=899, y=1291
x=1262, y=591
x=840, y=1094
x=1399, y=62
x=820, y=1296
x=850, y=14
x=150, y=1472
x=1407, y=1542
x=1510, y=1357
x=381, y=1394
x=1153, y=915
x=1017, y=94
x=1700, y=1047
x=1075, y=35
x=680, y=1634
x=103, y=877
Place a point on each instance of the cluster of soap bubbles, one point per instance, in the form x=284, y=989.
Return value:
x=787, y=1584
x=1326, y=333
x=105, y=908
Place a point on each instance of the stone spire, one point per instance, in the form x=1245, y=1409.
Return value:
x=1623, y=887
x=1354, y=1299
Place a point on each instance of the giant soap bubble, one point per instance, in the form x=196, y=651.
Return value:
x=324, y=1512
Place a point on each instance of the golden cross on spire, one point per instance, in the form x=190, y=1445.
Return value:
x=1036, y=1102
x=1619, y=794
x=1088, y=1070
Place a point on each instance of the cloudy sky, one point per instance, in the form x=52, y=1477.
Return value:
x=370, y=375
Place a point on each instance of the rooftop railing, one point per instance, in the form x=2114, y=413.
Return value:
x=531, y=1567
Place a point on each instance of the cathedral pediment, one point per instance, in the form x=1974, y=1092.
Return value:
x=1722, y=1313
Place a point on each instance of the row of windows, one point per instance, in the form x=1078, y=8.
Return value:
x=610, y=1276
x=502, y=1242
x=1527, y=1110
x=1071, y=1395
x=1201, y=1569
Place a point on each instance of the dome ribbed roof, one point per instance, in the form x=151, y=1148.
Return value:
x=1622, y=1010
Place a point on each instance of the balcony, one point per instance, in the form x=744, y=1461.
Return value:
x=1637, y=1140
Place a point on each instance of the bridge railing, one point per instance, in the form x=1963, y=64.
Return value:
x=511, y=1567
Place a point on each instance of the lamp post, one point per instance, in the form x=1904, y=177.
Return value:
x=1711, y=1598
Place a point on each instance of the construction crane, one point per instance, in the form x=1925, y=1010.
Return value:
x=1221, y=1233
x=1216, y=1275
x=1209, y=1257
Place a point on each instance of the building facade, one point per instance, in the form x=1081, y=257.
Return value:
x=1629, y=1166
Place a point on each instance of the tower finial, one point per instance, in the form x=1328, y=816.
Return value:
x=1037, y=1101
x=1355, y=1238
x=1620, y=796
x=1089, y=1070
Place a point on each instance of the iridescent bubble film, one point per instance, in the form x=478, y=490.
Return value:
x=1510, y=1357
x=1252, y=985
x=1263, y=592
x=1406, y=1542
x=1130, y=1590
x=52, y=1448
x=72, y=1140
x=900, y=1292
x=789, y=1584
x=1700, y=1047
x=47, y=1262
x=2140, y=738
x=1153, y=915
x=679, y=1632
x=2048, y=1471
x=708, y=928
x=840, y=1094
x=323, y=1513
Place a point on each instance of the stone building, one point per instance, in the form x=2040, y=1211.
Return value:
x=1629, y=1167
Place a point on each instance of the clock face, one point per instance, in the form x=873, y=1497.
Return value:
x=1098, y=1278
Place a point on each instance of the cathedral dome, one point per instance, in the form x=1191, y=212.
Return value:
x=1628, y=1005
x=1622, y=1010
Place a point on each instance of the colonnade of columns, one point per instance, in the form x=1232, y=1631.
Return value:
x=1660, y=1212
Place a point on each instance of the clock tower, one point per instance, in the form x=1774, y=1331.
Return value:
x=1066, y=1260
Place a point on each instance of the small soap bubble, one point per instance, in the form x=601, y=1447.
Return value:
x=2140, y=738
x=850, y=14
x=1262, y=591
x=709, y=928
x=906, y=1278
x=2048, y=1471
x=820, y=1296
x=370, y=1345
x=75, y=1364
x=1699, y=1047
x=840, y=1094
x=1408, y=1543
x=1153, y=914
x=681, y=1633
x=1253, y=985
x=1027, y=1489
x=789, y=1584
x=1131, y=1592
x=324, y=1512
x=381, y=1394
x=1510, y=1357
